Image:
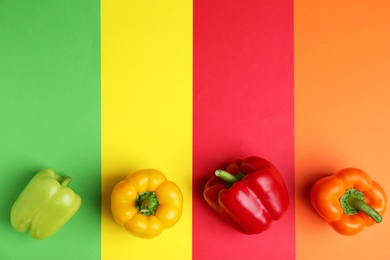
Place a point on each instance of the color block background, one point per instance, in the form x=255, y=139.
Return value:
x=50, y=117
x=146, y=113
x=98, y=89
x=243, y=105
x=341, y=114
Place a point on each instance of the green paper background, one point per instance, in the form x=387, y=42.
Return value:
x=50, y=117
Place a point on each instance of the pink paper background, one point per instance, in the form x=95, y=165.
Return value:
x=243, y=105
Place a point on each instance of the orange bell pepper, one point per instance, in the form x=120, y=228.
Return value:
x=349, y=201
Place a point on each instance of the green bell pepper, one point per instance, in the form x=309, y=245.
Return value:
x=45, y=205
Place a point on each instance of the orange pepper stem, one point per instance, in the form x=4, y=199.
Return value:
x=353, y=201
x=147, y=203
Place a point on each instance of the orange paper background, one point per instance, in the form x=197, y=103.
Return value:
x=342, y=54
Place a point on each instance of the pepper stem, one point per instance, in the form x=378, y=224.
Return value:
x=353, y=201
x=228, y=177
x=66, y=181
x=147, y=203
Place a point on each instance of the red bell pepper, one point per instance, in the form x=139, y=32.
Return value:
x=249, y=194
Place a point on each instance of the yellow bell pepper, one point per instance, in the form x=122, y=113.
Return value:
x=146, y=203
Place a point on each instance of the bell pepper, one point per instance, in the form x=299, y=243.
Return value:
x=250, y=194
x=349, y=201
x=146, y=203
x=45, y=205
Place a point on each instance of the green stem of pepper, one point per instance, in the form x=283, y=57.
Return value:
x=228, y=177
x=353, y=201
x=66, y=181
x=147, y=203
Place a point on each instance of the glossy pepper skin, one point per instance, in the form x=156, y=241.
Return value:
x=250, y=194
x=45, y=205
x=349, y=201
x=146, y=203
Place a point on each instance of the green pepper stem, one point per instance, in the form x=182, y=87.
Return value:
x=367, y=209
x=147, y=203
x=353, y=201
x=226, y=176
x=66, y=181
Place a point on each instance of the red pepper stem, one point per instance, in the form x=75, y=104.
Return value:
x=226, y=176
x=66, y=181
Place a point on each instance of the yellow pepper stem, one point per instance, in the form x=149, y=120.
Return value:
x=147, y=203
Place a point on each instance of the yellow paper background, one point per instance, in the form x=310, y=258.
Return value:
x=146, y=57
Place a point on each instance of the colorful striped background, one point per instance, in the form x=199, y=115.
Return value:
x=97, y=90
